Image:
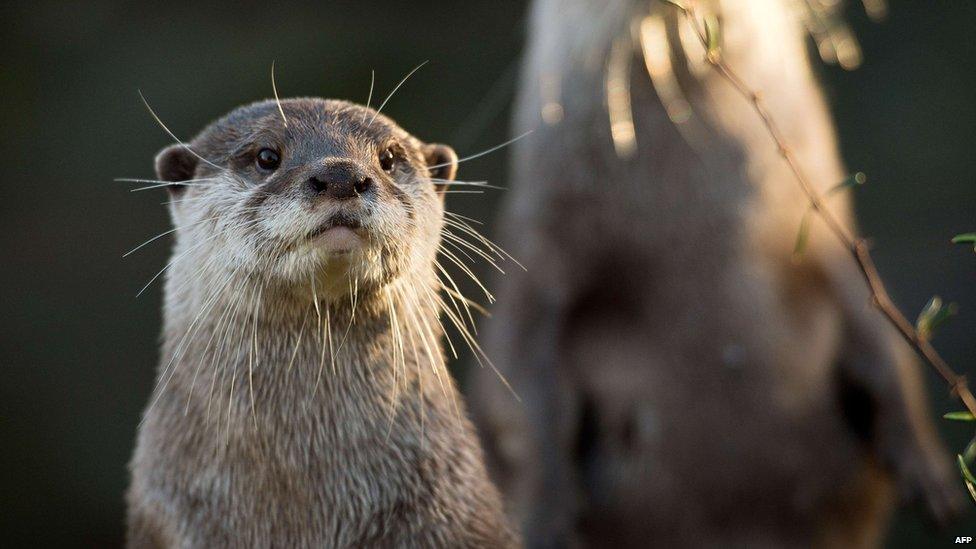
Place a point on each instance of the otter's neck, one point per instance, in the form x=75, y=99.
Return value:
x=260, y=358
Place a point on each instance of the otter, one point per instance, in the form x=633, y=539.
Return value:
x=686, y=378
x=302, y=398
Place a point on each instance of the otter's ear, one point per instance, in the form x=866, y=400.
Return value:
x=442, y=162
x=174, y=164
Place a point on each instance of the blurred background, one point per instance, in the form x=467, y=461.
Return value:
x=78, y=350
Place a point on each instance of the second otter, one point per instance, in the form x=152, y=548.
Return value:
x=302, y=398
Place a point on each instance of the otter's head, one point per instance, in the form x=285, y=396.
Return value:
x=320, y=192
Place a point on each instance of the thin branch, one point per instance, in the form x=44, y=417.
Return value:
x=856, y=246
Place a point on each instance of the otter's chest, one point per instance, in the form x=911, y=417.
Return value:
x=327, y=490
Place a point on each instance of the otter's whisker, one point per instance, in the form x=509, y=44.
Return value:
x=458, y=249
x=427, y=338
x=198, y=274
x=315, y=301
x=468, y=302
x=169, y=184
x=252, y=353
x=398, y=356
x=451, y=238
x=210, y=263
x=369, y=98
x=453, y=182
x=436, y=366
x=236, y=363
x=355, y=299
x=186, y=200
x=274, y=88
x=161, y=182
x=464, y=268
x=171, y=231
x=328, y=333
x=298, y=342
x=476, y=349
x=467, y=230
x=467, y=309
x=215, y=361
x=180, y=348
x=420, y=383
x=463, y=217
x=351, y=316
x=184, y=254
x=498, y=250
x=203, y=356
x=397, y=87
x=482, y=153
x=171, y=134
x=324, y=329
x=437, y=317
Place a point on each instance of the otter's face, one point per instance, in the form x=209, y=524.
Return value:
x=330, y=191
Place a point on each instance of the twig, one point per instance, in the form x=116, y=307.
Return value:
x=856, y=246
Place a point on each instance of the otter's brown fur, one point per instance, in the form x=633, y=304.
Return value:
x=302, y=399
x=685, y=381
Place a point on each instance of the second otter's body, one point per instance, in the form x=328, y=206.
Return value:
x=685, y=380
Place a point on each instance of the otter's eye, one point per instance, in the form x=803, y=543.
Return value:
x=387, y=160
x=268, y=159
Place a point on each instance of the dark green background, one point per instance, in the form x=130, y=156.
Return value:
x=77, y=350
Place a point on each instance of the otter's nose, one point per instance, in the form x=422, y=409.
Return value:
x=339, y=182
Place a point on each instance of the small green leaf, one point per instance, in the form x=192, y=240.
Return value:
x=712, y=36
x=959, y=416
x=802, y=236
x=969, y=454
x=965, y=469
x=972, y=490
x=933, y=315
x=852, y=180
x=967, y=238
